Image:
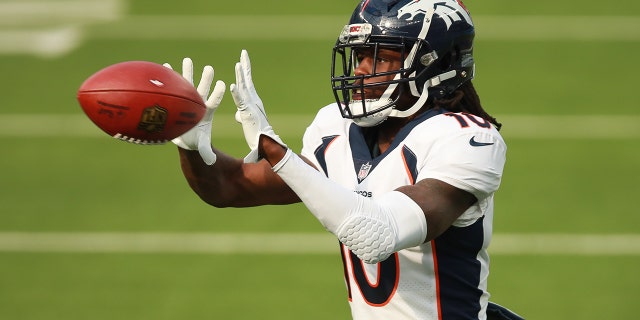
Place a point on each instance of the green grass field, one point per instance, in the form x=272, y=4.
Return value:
x=563, y=86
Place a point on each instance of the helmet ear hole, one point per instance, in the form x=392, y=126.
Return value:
x=446, y=60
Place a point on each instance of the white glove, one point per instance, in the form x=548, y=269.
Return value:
x=250, y=109
x=199, y=137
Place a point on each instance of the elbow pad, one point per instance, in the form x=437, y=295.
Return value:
x=373, y=229
x=383, y=226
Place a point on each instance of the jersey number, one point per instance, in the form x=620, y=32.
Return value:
x=463, y=116
x=376, y=294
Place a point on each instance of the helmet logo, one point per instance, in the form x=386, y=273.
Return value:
x=449, y=11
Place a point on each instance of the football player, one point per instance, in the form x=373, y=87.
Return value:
x=402, y=168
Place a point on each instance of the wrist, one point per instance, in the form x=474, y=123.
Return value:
x=270, y=150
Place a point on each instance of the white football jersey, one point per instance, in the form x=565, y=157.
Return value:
x=445, y=278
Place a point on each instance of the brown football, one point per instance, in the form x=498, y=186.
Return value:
x=141, y=102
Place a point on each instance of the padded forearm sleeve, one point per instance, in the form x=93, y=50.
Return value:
x=373, y=229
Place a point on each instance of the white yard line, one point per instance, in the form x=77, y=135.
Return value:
x=571, y=126
x=30, y=13
x=575, y=244
x=560, y=28
x=224, y=126
x=293, y=243
x=325, y=27
x=51, y=28
x=55, y=28
x=27, y=14
x=167, y=243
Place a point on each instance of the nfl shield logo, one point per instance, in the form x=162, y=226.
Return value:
x=153, y=119
x=364, y=171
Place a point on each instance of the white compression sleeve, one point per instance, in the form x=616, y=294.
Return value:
x=372, y=228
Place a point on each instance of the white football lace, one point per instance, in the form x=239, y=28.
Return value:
x=122, y=137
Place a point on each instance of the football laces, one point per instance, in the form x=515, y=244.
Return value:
x=138, y=141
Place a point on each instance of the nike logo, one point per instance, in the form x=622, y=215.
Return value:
x=475, y=143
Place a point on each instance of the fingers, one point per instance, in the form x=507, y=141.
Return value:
x=216, y=96
x=246, y=66
x=243, y=71
x=204, y=85
x=243, y=90
x=240, y=80
x=187, y=69
x=237, y=97
x=237, y=89
x=205, y=81
x=166, y=65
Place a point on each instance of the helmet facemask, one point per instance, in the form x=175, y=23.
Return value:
x=398, y=83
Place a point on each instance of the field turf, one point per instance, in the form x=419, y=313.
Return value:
x=563, y=87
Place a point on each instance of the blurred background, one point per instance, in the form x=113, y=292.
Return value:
x=94, y=228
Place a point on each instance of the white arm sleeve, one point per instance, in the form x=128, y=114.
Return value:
x=372, y=228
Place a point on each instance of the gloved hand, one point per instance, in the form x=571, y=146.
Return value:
x=199, y=137
x=250, y=109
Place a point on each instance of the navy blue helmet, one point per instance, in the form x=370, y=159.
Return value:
x=435, y=37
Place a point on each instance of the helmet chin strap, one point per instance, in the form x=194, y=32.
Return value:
x=424, y=96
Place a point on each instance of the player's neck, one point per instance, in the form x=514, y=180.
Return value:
x=388, y=130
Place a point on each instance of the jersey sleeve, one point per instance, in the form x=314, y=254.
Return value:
x=471, y=159
x=312, y=138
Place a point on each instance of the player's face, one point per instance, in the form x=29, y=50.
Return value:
x=369, y=64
